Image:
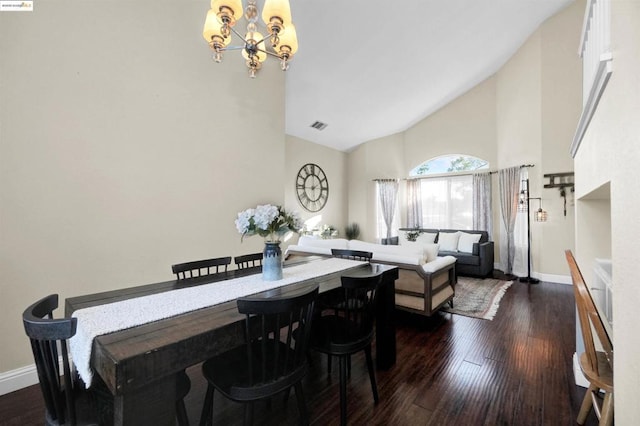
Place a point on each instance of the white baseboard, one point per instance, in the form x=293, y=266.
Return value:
x=577, y=373
x=11, y=381
x=550, y=278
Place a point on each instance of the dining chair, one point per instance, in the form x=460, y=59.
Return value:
x=253, y=260
x=352, y=254
x=200, y=268
x=271, y=360
x=347, y=329
x=66, y=400
x=596, y=366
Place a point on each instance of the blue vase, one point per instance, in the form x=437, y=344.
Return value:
x=272, y=262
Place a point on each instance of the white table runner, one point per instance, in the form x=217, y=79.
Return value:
x=108, y=318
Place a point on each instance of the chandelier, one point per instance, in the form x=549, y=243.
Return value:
x=280, y=42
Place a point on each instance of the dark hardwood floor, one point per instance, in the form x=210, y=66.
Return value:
x=450, y=370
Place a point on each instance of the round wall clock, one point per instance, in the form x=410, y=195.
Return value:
x=312, y=187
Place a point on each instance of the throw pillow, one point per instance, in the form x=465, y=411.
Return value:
x=426, y=238
x=448, y=241
x=466, y=241
x=431, y=251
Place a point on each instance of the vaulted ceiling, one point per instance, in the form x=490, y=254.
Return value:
x=369, y=68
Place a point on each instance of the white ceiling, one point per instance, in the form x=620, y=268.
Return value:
x=370, y=68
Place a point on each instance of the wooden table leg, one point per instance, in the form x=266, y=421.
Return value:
x=385, y=323
x=151, y=405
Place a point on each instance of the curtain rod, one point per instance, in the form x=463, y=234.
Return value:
x=445, y=174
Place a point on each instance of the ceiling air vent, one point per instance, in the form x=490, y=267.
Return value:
x=319, y=125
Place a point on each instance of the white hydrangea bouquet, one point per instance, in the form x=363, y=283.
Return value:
x=268, y=221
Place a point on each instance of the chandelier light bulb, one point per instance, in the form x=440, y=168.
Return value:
x=276, y=14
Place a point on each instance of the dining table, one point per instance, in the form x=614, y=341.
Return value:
x=137, y=365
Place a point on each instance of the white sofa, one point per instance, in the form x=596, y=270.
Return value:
x=426, y=281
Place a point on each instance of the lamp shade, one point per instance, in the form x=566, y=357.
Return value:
x=289, y=39
x=541, y=215
x=277, y=8
x=234, y=5
x=255, y=37
x=212, y=28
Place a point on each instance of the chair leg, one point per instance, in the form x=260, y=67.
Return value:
x=372, y=376
x=607, y=410
x=587, y=403
x=248, y=414
x=206, y=418
x=343, y=390
x=181, y=413
x=329, y=364
x=302, y=405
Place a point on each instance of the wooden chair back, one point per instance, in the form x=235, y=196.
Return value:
x=589, y=316
x=359, y=297
x=201, y=268
x=352, y=254
x=277, y=331
x=253, y=260
x=49, y=341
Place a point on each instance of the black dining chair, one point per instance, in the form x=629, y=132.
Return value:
x=352, y=254
x=271, y=360
x=347, y=328
x=248, y=261
x=66, y=400
x=201, y=268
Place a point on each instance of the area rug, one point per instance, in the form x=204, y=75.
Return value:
x=478, y=298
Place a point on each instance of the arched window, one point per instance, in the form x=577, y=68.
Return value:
x=451, y=163
x=446, y=191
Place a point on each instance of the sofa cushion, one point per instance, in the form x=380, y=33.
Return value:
x=466, y=241
x=309, y=241
x=413, y=255
x=429, y=251
x=439, y=263
x=398, y=258
x=463, y=258
x=448, y=241
x=309, y=249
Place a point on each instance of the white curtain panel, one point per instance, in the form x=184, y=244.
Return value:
x=509, y=192
x=388, y=193
x=482, y=213
x=414, y=203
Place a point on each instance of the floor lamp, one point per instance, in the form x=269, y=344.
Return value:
x=524, y=205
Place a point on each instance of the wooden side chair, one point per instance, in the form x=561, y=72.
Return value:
x=596, y=366
x=348, y=329
x=201, y=268
x=352, y=254
x=66, y=400
x=271, y=361
x=247, y=261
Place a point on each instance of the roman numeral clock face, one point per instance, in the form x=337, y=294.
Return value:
x=312, y=187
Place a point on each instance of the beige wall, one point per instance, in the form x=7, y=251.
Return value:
x=538, y=106
x=606, y=172
x=123, y=149
x=380, y=158
x=524, y=114
x=334, y=164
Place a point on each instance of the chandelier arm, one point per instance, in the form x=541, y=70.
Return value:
x=268, y=36
x=275, y=55
x=238, y=34
x=232, y=48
